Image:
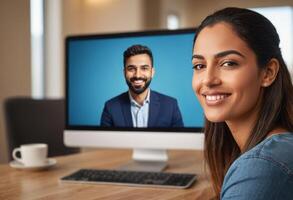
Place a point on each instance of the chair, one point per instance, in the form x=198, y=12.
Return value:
x=36, y=121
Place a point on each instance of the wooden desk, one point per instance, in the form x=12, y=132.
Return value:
x=23, y=184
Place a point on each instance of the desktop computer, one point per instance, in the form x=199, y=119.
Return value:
x=94, y=74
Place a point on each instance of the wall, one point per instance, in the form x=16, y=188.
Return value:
x=152, y=10
x=14, y=57
x=97, y=16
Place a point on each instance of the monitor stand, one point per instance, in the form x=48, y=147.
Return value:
x=154, y=160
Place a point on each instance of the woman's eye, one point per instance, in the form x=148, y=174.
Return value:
x=198, y=66
x=229, y=64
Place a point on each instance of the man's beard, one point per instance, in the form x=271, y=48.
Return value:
x=138, y=90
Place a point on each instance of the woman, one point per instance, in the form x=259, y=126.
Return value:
x=244, y=87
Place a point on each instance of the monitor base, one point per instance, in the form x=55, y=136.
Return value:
x=153, y=160
x=150, y=166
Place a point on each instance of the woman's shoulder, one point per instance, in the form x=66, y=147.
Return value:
x=276, y=149
x=264, y=172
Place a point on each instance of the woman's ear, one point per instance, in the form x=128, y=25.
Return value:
x=270, y=72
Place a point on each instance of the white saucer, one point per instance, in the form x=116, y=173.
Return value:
x=49, y=163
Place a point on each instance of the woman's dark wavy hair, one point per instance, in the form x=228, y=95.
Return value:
x=277, y=101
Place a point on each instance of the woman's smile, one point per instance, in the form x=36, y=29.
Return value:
x=215, y=98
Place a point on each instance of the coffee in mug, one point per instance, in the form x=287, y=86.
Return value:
x=31, y=155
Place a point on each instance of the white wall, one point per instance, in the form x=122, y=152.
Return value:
x=54, y=53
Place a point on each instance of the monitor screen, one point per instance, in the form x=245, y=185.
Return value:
x=95, y=74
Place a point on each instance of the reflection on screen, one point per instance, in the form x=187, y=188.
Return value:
x=95, y=73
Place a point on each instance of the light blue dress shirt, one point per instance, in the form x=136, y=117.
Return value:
x=140, y=113
x=263, y=173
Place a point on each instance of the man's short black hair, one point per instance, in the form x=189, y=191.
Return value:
x=137, y=49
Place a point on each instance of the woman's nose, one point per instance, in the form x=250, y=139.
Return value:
x=211, y=77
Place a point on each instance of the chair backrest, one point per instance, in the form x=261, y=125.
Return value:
x=36, y=121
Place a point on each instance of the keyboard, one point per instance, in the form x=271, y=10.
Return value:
x=131, y=178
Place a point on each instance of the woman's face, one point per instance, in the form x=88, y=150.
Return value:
x=226, y=79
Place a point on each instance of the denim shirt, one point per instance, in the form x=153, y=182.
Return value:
x=264, y=172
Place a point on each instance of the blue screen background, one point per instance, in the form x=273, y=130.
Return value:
x=95, y=75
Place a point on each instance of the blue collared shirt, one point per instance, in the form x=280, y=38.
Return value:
x=263, y=173
x=140, y=113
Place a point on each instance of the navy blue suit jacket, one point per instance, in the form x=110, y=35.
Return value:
x=163, y=112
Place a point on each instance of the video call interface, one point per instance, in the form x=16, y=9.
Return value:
x=94, y=70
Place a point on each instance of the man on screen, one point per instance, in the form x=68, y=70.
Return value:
x=140, y=106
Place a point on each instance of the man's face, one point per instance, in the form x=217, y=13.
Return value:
x=138, y=72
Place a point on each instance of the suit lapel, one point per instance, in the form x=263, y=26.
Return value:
x=153, y=109
x=126, y=110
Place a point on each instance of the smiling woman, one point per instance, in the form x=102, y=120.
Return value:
x=244, y=87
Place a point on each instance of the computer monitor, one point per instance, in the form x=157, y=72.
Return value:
x=94, y=74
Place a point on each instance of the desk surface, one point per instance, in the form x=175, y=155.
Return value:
x=23, y=184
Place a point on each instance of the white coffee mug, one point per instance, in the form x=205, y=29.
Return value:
x=31, y=154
